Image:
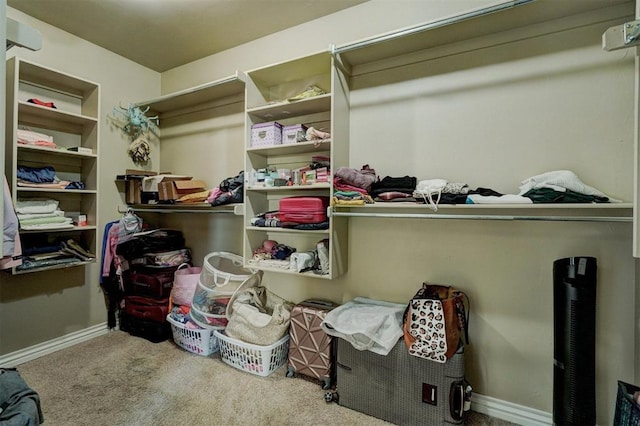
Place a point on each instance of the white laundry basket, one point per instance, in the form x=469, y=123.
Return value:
x=223, y=272
x=254, y=359
x=198, y=341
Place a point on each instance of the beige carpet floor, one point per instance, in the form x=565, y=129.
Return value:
x=118, y=379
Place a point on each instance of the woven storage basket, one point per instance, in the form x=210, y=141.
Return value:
x=254, y=359
x=198, y=341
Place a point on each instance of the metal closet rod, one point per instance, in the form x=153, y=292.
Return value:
x=237, y=209
x=429, y=26
x=486, y=217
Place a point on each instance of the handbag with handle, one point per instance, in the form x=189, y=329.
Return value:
x=184, y=284
x=258, y=316
x=435, y=321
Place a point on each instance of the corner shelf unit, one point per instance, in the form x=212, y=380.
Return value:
x=228, y=91
x=267, y=92
x=75, y=122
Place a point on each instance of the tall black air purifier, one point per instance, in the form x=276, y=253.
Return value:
x=574, y=321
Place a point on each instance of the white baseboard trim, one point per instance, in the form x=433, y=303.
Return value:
x=510, y=412
x=21, y=356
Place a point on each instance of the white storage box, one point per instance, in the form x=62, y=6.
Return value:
x=294, y=134
x=254, y=359
x=266, y=134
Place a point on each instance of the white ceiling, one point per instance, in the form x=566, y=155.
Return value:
x=164, y=34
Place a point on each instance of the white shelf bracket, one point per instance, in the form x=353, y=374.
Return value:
x=622, y=36
x=21, y=35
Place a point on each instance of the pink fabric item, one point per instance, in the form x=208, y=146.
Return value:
x=341, y=185
x=215, y=192
x=363, y=178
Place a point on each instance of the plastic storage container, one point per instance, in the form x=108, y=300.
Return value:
x=223, y=272
x=254, y=359
x=198, y=341
x=221, y=276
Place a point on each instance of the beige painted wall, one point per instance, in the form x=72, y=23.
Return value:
x=490, y=119
x=356, y=23
x=35, y=308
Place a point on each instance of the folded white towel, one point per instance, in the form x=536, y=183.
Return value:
x=367, y=324
x=36, y=206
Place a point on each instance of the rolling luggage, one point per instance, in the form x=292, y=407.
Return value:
x=401, y=388
x=152, y=331
x=149, y=281
x=303, y=210
x=311, y=350
x=146, y=308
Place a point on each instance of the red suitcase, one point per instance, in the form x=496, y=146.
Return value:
x=303, y=209
x=146, y=308
x=312, y=352
x=149, y=281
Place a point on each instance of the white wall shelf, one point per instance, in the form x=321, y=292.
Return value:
x=226, y=90
x=603, y=212
x=74, y=122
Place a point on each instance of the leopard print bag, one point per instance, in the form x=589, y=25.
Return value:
x=435, y=321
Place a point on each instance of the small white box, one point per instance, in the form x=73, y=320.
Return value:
x=294, y=134
x=266, y=134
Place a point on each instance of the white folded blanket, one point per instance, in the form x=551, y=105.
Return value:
x=367, y=324
x=561, y=180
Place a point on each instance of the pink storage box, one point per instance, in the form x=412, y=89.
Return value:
x=266, y=134
x=294, y=134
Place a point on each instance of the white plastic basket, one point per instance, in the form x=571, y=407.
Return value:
x=198, y=341
x=255, y=359
x=223, y=272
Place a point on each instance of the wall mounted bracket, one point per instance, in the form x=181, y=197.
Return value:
x=622, y=36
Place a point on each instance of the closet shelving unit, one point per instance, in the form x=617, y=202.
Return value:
x=189, y=102
x=396, y=57
x=267, y=91
x=74, y=122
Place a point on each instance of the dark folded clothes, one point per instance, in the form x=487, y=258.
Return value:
x=271, y=223
x=306, y=226
x=548, y=195
x=46, y=174
x=75, y=185
x=28, y=263
x=404, y=184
